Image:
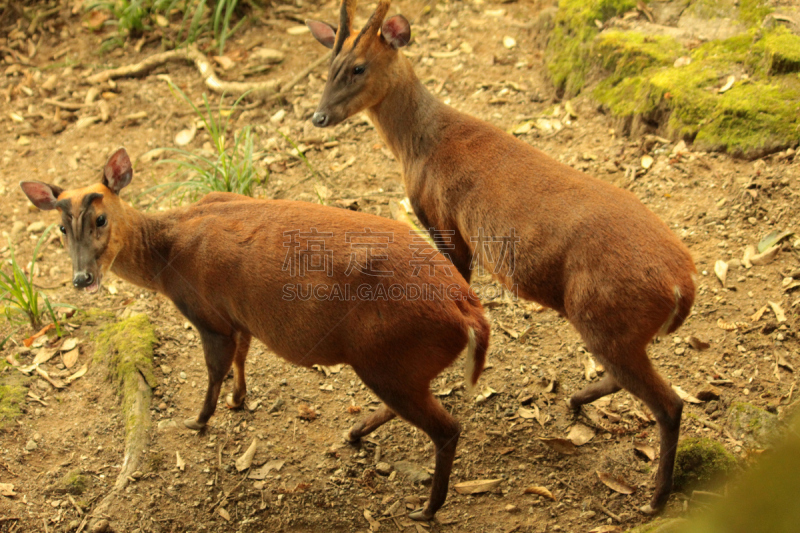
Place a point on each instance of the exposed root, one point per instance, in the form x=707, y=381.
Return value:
x=127, y=348
x=269, y=89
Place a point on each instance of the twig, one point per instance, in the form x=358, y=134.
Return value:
x=601, y=508
x=69, y=106
x=191, y=54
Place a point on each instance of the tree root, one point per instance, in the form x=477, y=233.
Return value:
x=269, y=89
x=128, y=348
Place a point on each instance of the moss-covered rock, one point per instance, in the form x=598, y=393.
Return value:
x=570, y=43
x=641, y=86
x=74, y=482
x=13, y=387
x=700, y=462
x=755, y=426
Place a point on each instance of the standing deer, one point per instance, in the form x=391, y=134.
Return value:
x=583, y=247
x=238, y=267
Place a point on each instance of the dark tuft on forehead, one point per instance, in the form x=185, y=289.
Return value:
x=65, y=205
x=88, y=199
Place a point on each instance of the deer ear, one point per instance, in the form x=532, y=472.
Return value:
x=118, y=171
x=397, y=31
x=40, y=194
x=323, y=32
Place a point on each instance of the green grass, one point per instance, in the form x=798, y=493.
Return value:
x=134, y=18
x=231, y=168
x=20, y=296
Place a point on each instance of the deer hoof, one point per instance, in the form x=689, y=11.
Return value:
x=192, y=423
x=421, y=515
x=229, y=401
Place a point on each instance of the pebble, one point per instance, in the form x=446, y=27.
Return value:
x=162, y=406
x=31, y=445
x=183, y=375
x=412, y=472
x=17, y=228
x=36, y=227
x=166, y=424
x=166, y=369
x=383, y=469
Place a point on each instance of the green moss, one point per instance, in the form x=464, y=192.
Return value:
x=74, y=482
x=569, y=47
x=781, y=52
x=756, y=116
x=755, y=426
x=13, y=387
x=700, y=462
x=752, y=12
x=127, y=348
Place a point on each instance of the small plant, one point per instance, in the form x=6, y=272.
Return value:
x=20, y=295
x=230, y=169
x=134, y=17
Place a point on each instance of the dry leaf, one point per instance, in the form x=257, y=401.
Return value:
x=44, y=355
x=261, y=473
x=645, y=449
x=758, y=314
x=541, y=491
x=730, y=326
x=27, y=342
x=762, y=258
x=477, y=486
x=784, y=363
x=773, y=238
x=697, y=344
x=68, y=344
x=179, y=462
x=485, y=394
x=776, y=308
x=728, y=84
x=529, y=413
x=580, y=434
x=685, y=396
x=244, y=462
x=562, y=446
x=223, y=513
x=616, y=483
x=721, y=270
x=647, y=161
x=71, y=357
x=184, y=137
x=7, y=489
x=79, y=374
x=55, y=382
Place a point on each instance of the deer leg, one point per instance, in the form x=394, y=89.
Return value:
x=415, y=403
x=634, y=372
x=604, y=387
x=219, y=353
x=371, y=423
x=235, y=399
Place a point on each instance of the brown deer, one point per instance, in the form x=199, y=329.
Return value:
x=238, y=267
x=551, y=234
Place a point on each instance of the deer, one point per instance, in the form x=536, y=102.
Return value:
x=547, y=232
x=237, y=268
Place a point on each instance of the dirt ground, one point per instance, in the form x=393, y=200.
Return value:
x=716, y=204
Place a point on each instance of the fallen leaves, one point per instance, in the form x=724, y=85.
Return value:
x=580, y=434
x=721, y=270
x=7, y=489
x=685, y=396
x=179, y=462
x=541, y=491
x=645, y=449
x=562, y=446
x=616, y=483
x=244, y=462
x=477, y=486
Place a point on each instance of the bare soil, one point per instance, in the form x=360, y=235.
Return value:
x=716, y=204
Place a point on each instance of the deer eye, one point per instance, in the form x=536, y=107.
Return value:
x=63, y=229
x=359, y=69
x=101, y=221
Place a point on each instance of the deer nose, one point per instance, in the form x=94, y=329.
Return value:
x=82, y=279
x=320, y=119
